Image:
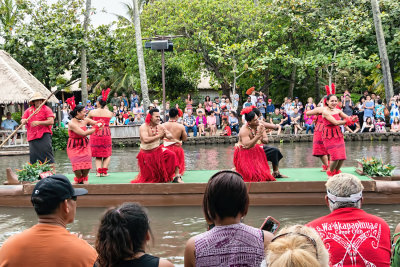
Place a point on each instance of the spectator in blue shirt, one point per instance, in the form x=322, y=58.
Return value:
x=270, y=107
x=9, y=125
x=261, y=105
x=189, y=122
x=233, y=122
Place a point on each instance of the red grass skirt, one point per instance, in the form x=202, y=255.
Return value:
x=100, y=143
x=318, y=143
x=180, y=155
x=252, y=164
x=79, y=153
x=156, y=165
x=334, y=142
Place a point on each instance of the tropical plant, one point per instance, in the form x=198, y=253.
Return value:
x=31, y=172
x=60, y=138
x=17, y=116
x=375, y=167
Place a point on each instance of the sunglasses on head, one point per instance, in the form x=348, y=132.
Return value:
x=310, y=239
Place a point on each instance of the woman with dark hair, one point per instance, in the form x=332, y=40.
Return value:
x=332, y=135
x=78, y=148
x=100, y=142
x=229, y=242
x=208, y=104
x=122, y=237
x=368, y=126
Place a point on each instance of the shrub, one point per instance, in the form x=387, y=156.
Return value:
x=60, y=138
x=374, y=167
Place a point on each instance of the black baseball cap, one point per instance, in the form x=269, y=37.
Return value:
x=56, y=188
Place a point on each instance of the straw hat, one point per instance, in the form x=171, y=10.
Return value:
x=36, y=96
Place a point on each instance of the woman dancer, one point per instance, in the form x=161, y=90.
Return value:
x=318, y=146
x=332, y=135
x=100, y=142
x=78, y=148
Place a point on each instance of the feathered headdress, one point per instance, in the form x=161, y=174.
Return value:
x=71, y=102
x=330, y=90
x=180, y=113
x=247, y=110
x=148, y=118
x=105, y=93
x=250, y=90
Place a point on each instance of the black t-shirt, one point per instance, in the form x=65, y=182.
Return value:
x=145, y=261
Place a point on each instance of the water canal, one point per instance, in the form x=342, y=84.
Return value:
x=173, y=226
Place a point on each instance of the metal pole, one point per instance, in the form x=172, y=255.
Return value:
x=163, y=83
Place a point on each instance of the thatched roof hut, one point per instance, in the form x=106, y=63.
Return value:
x=17, y=85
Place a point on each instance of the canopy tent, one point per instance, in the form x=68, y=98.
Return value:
x=17, y=85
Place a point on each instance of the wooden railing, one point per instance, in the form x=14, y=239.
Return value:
x=125, y=131
x=18, y=140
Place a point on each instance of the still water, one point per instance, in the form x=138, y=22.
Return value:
x=173, y=226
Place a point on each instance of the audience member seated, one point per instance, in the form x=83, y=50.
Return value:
x=201, y=122
x=49, y=243
x=9, y=125
x=113, y=120
x=297, y=245
x=295, y=121
x=380, y=125
x=228, y=242
x=200, y=109
x=122, y=237
x=353, y=128
x=120, y=120
x=131, y=121
x=286, y=118
x=189, y=122
x=212, y=123
x=310, y=103
x=277, y=118
x=394, y=105
x=226, y=130
x=309, y=121
x=395, y=127
x=352, y=236
x=368, y=126
x=233, y=122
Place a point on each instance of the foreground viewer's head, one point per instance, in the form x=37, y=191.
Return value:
x=344, y=190
x=123, y=232
x=297, y=245
x=225, y=196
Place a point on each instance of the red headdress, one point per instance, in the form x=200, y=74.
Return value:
x=148, y=118
x=71, y=102
x=250, y=90
x=180, y=113
x=105, y=93
x=247, y=110
x=330, y=90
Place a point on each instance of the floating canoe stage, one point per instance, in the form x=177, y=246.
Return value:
x=305, y=186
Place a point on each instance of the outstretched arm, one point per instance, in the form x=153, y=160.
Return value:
x=331, y=119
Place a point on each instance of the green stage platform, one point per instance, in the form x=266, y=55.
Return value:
x=202, y=176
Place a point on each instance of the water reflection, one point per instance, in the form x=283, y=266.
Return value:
x=173, y=226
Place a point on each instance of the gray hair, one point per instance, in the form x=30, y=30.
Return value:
x=344, y=185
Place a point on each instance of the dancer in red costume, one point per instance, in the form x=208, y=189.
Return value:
x=156, y=163
x=78, y=148
x=318, y=144
x=179, y=134
x=100, y=142
x=249, y=157
x=332, y=135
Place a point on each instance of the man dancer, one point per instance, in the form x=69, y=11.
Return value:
x=38, y=130
x=249, y=157
x=179, y=135
x=156, y=163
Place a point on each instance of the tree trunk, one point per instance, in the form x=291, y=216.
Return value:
x=317, y=91
x=139, y=50
x=226, y=89
x=292, y=81
x=83, y=54
x=380, y=38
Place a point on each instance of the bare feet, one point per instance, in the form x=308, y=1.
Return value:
x=277, y=174
x=178, y=179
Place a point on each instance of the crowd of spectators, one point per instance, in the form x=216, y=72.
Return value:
x=347, y=236
x=213, y=116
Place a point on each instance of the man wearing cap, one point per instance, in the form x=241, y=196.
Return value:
x=48, y=243
x=38, y=130
x=270, y=107
x=352, y=236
